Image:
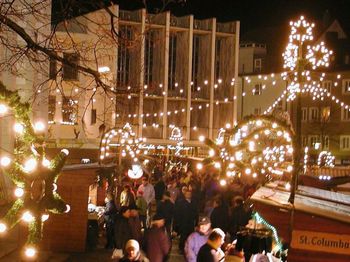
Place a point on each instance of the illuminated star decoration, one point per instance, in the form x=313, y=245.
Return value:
x=260, y=147
x=33, y=175
x=301, y=61
x=126, y=141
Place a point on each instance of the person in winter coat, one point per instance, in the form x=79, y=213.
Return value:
x=211, y=251
x=123, y=231
x=219, y=216
x=133, y=253
x=166, y=208
x=197, y=239
x=110, y=216
x=142, y=207
x=185, y=219
x=156, y=241
x=240, y=217
x=135, y=223
x=127, y=197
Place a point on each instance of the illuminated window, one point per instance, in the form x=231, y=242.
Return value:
x=327, y=85
x=257, y=65
x=257, y=89
x=69, y=110
x=313, y=113
x=304, y=141
x=344, y=142
x=346, y=86
x=325, y=113
x=345, y=114
x=314, y=141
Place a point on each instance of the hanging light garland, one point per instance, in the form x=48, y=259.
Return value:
x=32, y=173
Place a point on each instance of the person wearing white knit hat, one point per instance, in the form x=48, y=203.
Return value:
x=133, y=253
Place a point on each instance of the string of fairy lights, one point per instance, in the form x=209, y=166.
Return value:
x=28, y=168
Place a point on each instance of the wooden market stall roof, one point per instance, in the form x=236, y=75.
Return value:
x=309, y=200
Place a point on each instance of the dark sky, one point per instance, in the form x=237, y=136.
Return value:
x=252, y=13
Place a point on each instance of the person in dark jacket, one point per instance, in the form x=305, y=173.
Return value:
x=240, y=216
x=110, y=216
x=211, y=251
x=123, y=231
x=156, y=241
x=219, y=217
x=185, y=219
x=166, y=208
x=159, y=189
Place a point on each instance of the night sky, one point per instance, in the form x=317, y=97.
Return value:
x=253, y=14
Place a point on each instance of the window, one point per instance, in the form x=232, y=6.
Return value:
x=327, y=85
x=304, y=141
x=257, y=65
x=346, y=86
x=325, y=113
x=172, y=62
x=53, y=68
x=149, y=48
x=69, y=110
x=93, y=116
x=217, y=58
x=313, y=113
x=344, y=142
x=345, y=114
x=304, y=114
x=257, y=111
x=257, y=89
x=195, y=62
x=52, y=109
x=70, y=72
x=314, y=141
x=124, y=56
x=346, y=59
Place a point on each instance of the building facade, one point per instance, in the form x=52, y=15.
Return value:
x=164, y=72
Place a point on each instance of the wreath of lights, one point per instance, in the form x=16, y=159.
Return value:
x=257, y=146
x=325, y=159
x=32, y=173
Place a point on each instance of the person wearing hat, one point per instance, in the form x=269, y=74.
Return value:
x=133, y=253
x=156, y=241
x=197, y=239
x=211, y=251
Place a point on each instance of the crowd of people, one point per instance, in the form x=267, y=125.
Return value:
x=143, y=220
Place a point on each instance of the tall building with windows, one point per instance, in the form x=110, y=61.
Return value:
x=170, y=72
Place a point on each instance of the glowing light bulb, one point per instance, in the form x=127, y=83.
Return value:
x=201, y=138
x=19, y=192
x=223, y=182
x=46, y=162
x=39, y=126
x=30, y=165
x=65, y=151
x=199, y=166
x=30, y=252
x=228, y=125
x=211, y=152
x=44, y=217
x=3, y=227
x=3, y=109
x=5, y=161
x=290, y=168
x=217, y=165
x=27, y=217
x=67, y=209
x=19, y=128
x=248, y=171
x=287, y=186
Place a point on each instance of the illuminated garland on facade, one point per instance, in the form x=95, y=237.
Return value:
x=30, y=170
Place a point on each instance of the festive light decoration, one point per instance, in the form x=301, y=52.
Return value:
x=257, y=146
x=326, y=159
x=259, y=219
x=127, y=142
x=135, y=172
x=28, y=173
